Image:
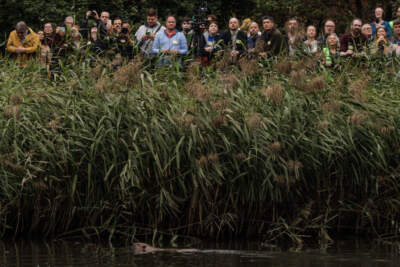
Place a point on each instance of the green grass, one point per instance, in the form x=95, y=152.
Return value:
x=219, y=154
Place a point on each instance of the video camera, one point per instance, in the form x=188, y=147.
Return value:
x=199, y=20
x=124, y=30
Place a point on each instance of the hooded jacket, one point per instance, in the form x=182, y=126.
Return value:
x=30, y=43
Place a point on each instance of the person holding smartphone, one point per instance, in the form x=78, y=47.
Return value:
x=146, y=34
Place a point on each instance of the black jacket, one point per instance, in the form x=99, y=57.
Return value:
x=273, y=43
x=203, y=44
x=87, y=24
x=241, y=41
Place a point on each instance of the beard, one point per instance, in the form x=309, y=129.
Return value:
x=356, y=31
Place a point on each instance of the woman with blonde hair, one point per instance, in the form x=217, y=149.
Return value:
x=246, y=25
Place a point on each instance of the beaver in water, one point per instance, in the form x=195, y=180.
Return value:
x=143, y=248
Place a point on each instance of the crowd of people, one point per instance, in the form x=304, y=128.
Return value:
x=112, y=37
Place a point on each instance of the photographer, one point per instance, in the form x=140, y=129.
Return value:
x=124, y=44
x=117, y=26
x=146, y=34
x=102, y=22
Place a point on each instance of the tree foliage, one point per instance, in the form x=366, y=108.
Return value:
x=37, y=12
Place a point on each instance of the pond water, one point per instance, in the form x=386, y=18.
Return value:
x=69, y=254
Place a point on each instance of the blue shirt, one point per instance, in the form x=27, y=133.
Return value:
x=384, y=24
x=175, y=42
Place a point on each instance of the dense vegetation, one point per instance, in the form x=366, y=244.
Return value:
x=36, y=12
x=278, y=149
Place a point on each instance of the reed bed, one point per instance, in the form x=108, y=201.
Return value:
x=280, y=150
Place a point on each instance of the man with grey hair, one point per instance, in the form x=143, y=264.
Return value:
x=22, y=43
x=67, y=25
x=366, y=30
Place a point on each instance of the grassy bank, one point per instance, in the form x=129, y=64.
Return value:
x=279, y=150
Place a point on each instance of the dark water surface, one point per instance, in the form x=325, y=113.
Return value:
x=52, y=254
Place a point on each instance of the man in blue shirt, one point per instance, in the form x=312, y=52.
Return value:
x=169, y=43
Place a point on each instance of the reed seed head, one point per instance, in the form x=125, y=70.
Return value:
x=274, y=93
x=15, y=99
x=284, y=66
x=275, y=147
x=11, y=112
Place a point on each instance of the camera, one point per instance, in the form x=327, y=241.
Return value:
x=92, y=15
x=124, y=30
x=199, y=20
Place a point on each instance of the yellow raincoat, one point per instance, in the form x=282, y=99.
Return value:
x=31, y=44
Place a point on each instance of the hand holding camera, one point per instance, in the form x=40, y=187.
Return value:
x=92, y=14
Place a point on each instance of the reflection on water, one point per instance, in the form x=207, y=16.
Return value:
x=343, y=254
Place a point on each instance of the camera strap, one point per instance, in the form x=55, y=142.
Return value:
x=149, y=41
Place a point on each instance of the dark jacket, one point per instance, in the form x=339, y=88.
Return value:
x=241, y=41
x=252, y=41
x=87, y=24
x=348, y=42
x=204, y=43
x=272, y=42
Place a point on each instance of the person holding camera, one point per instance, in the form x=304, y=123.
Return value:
x=65, y=28
x=170, y=43
x=102, y=22
x=380, y=22
x=117, y=26
x=146, y=34
x=124, y=45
